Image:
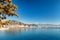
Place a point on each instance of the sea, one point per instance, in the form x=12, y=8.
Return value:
x=31, y=34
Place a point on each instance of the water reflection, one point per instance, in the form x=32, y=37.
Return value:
x=29, y=33
x=15, y=31
x=21, y=30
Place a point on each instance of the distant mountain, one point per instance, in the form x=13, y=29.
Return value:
x=13, y=22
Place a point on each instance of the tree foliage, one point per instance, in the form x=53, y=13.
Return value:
x=7, y=8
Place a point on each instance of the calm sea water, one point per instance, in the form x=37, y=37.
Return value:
x=31, y=34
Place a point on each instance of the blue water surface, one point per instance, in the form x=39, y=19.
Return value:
x=31, y=34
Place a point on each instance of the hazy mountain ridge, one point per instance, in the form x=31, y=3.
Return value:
x=21, y=24
x=13, y=22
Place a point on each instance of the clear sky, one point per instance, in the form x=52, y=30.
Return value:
x=38, y=11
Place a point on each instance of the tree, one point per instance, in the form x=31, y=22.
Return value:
x=7, y=9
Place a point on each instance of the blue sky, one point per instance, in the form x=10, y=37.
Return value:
x=38, y=11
